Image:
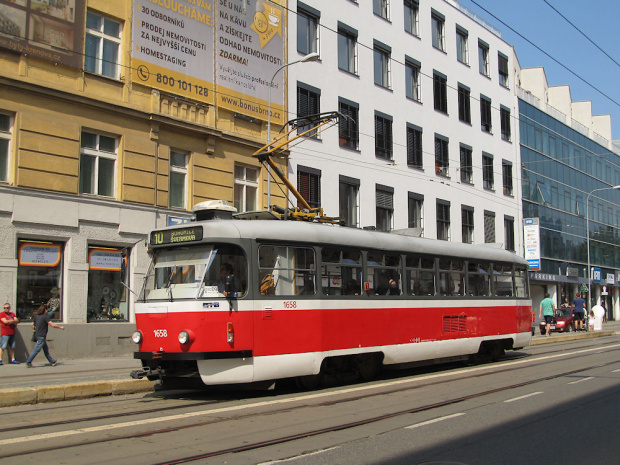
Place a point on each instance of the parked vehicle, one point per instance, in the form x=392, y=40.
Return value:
x=564, y=322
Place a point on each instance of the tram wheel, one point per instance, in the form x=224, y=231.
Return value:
x=308, y=382
x=496, y=351
x=367, y=366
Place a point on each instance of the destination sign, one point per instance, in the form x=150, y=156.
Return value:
x=177, y=236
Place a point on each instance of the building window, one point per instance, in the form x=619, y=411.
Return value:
x=442, y=160
x=483, y=59
x=349, y=203
x=467, y=221
x=467, y=170
x=381, y=8
x=6, y=129
x=308, y=104
x=437, y=24
x=98, y=164
x=462, y=51
x=102, y=45
x=382, y=66
x=509, y=233
x=384, y=207
x=39, y=277
x=308, y=31
x=504, y=115
x=489, y=227
x=383, y=136
x=309, y=186
x=178, y=178
x=412, y=10
x=414, y=146
x=347, y=49
x=502, y=63
x=415, y=210
x=507, y=177
x=443, y=220
x=487, y=171
x=348, y=129
x=464, y=104
x=107, y=297
x=246, y=188
x=440, y=92
x=412, y=80
x=485, y=114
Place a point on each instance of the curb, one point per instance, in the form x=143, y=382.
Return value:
x=570, y=337
x=61, y=392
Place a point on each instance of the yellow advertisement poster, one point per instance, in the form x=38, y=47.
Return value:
x=250, y=50
x=172, y=47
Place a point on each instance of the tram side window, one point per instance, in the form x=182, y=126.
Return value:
x=478, y=279
x=521, y=283
x=502, y=277
x=383, y=274
x=451, y=277
x=341, y=272
x=420, y=276
x=286, y=271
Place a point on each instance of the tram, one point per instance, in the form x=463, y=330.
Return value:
x=249, y=298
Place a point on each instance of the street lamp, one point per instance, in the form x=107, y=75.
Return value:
x=310, y=57
x=588, y=240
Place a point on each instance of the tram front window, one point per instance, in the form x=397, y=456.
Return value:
x=196, y=272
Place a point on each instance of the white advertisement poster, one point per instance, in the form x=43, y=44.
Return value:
x=531, y=234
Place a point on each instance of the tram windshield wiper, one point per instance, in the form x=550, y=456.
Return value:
x=173, y=272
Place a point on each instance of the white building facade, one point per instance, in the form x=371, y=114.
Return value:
x=430, y=138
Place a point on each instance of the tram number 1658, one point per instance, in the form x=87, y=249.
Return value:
x=290, y=304
x=160, y=332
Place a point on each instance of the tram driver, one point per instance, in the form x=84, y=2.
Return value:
x=227, y=277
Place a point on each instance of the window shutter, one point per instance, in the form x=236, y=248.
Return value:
x=385, y=200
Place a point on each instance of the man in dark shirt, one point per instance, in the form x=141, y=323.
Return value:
x=578, y=311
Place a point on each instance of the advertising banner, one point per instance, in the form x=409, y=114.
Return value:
x=48, y=29
x=172, y=47
x=221, y=52
x=531, y=234
x=105, y=259
x=36, y=254
x=250, y=49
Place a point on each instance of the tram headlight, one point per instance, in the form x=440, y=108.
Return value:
x=136, y=337
x=184, y=337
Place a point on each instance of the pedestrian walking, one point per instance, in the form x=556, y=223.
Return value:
x=41, y=323
x=8, y=323
x=547, y=309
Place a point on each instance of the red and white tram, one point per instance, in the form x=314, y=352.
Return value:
x=229, y=301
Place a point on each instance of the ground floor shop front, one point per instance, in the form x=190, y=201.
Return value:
x=64, y=254
x=605, y=292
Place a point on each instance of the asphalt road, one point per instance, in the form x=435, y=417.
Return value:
x=551, y=403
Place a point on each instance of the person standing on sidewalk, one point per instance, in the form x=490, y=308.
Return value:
x=42, y=320
x=8, y=323
x=547, y=309
x=579, y=311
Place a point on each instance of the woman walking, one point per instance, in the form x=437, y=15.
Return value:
x=40, y=325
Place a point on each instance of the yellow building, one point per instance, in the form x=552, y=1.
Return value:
x=116, y=117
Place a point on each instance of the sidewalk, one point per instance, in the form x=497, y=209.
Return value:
x=85, y=378
x=69, y=379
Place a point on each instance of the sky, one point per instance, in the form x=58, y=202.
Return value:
x=537, y=21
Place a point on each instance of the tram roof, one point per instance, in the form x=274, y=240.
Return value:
x=317, y=234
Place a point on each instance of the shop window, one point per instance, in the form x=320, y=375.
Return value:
x=39, y=278
x=107, y=297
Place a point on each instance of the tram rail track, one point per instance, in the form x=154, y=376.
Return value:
x=212, y=403
x=310, y=433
